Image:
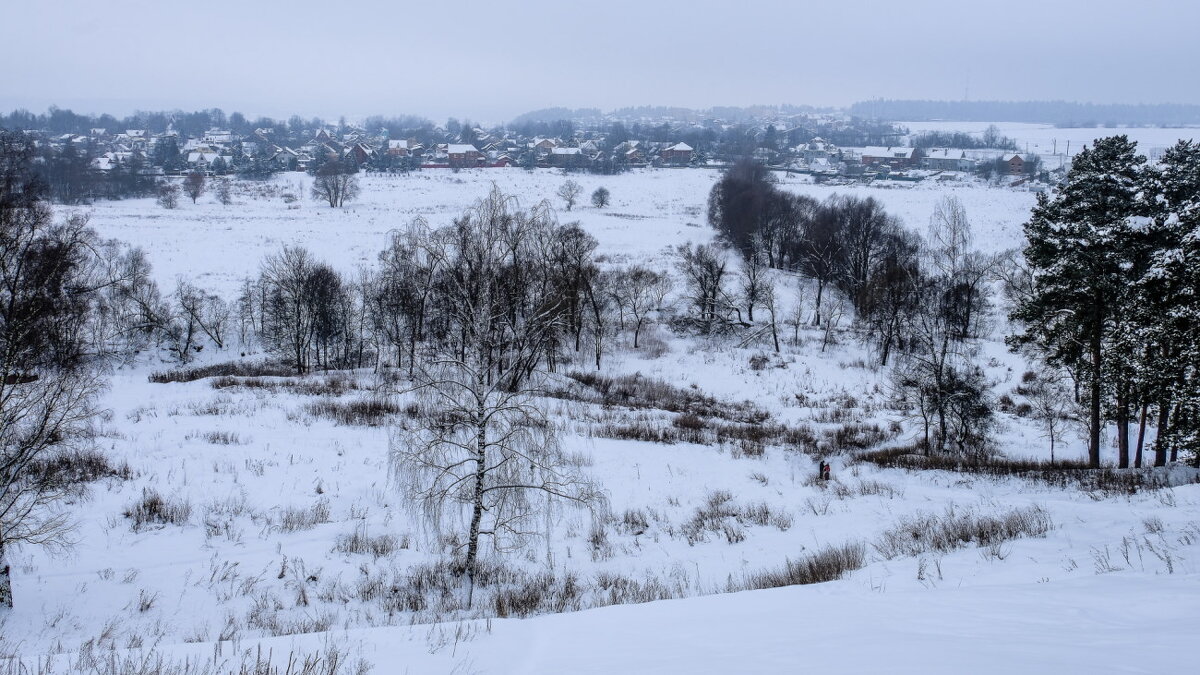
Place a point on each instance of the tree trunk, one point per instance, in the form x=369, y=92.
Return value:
x=477, y=501
x=943, y=429
x=1160, y=447
x=1094, y=422
x=817, y=307
x=6, y=598
x=1175, y=420
x=1141, y=442
x=925, y=421
x=885, y=349
x=1122, y=433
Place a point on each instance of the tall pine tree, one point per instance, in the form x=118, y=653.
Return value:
x=1082, y=243
x=1169, y=310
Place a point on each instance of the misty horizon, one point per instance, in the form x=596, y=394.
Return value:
x=277, y=59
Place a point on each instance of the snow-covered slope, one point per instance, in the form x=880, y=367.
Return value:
x=274, y=489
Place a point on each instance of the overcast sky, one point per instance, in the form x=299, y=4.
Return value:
x=490, y=61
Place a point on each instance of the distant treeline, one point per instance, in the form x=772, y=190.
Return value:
x=591, y=116
x=991, y=138
x=1060, y=113
x=190, y=124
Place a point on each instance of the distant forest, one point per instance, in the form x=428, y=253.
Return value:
x=734, y=114
x=1059, y=113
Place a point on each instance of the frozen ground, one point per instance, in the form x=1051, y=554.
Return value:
x=1047, y=139
x=273, y=489
x=651, y=211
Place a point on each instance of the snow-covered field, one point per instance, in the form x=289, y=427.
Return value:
x=1048, y=140
x=274, y=492
x=218, y=246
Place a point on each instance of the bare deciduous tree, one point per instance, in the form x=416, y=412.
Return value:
x=950, y=236
x=287, y=325
x=484, y=448
x=168, y=195
x=197, y=313
x=225, y=191
x=334, y=183
x=637, y=291
x=820, y=253
x=49, y=279
x=600, y=197
x=936, y=373
x=771, y=303
x=193, y=185
x=837, y=309
x=704, y=270
x=754, y=277
x=569, y=192
x=1051, y=398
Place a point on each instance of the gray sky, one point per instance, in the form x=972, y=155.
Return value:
x=490, y=61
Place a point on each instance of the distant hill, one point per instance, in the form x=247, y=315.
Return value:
x=1060, y=113
x=556, y=114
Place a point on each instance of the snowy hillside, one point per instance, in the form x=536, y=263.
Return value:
x=262, y=510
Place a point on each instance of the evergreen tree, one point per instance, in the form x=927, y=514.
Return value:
x=1169, y=310
x=166, y=154
x=1081, y=245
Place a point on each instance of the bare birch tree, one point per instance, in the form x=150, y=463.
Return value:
x=483, y=448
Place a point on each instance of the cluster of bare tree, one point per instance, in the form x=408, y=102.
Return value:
x=494, y=296
x=473, y=311
x=921, y=300
x=306, y=313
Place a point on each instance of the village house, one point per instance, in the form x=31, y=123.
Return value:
x=631, y=152
x=398, y=148
x=359, y=153
x=679, y=154
x=817, y=148
x=1014, y=162
x=894, y=157
x=218, y=136
x=205, y=161
x=947, y=159
x=463, y=155
x=566, y=157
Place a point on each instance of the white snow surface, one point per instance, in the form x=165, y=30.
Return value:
x=1113, y=587
x=1047, y=139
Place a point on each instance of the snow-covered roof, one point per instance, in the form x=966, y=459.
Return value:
x=945, y=153
x=888, y=152
x=460, y=148
x=680, y=147
x=565, y=151
x=208, y=157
